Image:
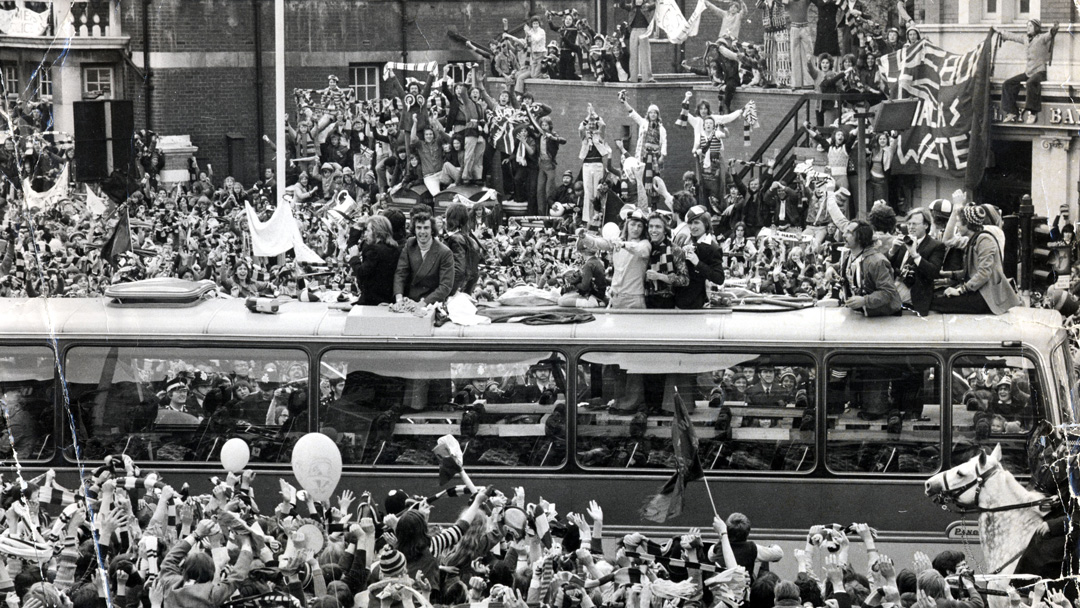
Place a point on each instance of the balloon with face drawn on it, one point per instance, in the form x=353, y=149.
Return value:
x=316, y=463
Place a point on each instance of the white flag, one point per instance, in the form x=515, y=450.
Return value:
x=669, y=18
x=94, y=203
x=278, y=234
x=43, y=201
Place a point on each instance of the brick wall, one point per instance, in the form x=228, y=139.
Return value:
x=948, y=11
x=343, y=25
x=1054, y=11
x=324, y=36
x=197, y=25
x=206, y=103
x=569, y=101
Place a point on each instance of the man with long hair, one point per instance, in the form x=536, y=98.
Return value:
x=1039, y=50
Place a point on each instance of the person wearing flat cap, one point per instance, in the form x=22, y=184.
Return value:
x=983, y=288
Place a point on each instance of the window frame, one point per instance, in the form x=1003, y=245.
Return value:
x=944, y=421
x=44, y=80
x=74, y=345
x=316, y=412
x=1060, y=354
x=87, y=68
x=11, y=79
x=58, y=422
x=1030, y=356
x=459, y=70
x=354, y=69
x=811, y=356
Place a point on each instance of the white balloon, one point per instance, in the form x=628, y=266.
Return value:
x=610, y=231
x=235, y=455
x=316, y=463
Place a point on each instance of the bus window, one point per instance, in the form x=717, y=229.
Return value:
x=26, y=399
x=168, y=404
x=1000, y=400
x=505, y=408
x=1063, y=380
x=884, y=414
x=750, y=412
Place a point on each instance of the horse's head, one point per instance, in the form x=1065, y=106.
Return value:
x=961, y=484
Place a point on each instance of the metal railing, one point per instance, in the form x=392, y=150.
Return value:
x=783, y=163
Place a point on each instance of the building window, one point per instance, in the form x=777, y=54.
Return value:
x=991, y=7
x=459, y=71
x=11, y=80
x=44, y=81
x=365, y=80
x=1025, y=7
x=98, y=82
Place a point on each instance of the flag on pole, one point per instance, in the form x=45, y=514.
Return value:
x=119, y=242
x=278, y=234
x=949, y=132
x=668, y=502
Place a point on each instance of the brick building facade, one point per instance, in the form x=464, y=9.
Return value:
x=212, y=71
x=203, y=54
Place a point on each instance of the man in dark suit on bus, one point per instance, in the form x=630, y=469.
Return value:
x=766, y=392
x=425, y=270
x=917, y=260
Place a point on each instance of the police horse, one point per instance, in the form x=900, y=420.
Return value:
x=1009, y=517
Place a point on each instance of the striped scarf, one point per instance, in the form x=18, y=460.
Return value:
x=428, y=66
x=503, y=126
x=750, y=121
x=712, y=149
x=662, y=260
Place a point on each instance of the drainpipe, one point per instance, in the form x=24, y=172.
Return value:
x=148, y=83
x=404, y=32
x=260, y=126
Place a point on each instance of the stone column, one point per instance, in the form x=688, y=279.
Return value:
x=1052, y=182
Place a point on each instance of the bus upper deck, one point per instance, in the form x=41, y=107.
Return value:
x=822, y=400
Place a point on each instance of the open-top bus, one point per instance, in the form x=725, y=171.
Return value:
x=826, y=416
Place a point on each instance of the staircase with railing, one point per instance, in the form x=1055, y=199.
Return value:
x=776, y=157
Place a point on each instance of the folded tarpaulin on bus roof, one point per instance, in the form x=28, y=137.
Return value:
x=669, y=363
x=436, y=365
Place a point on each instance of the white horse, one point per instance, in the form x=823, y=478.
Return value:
x=1010, y=514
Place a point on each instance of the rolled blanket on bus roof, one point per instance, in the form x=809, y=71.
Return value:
x=427, y=66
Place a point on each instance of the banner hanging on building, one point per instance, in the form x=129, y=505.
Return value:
x=950, y=130
x=669, y=18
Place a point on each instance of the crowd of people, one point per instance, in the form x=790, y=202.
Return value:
x=131, y=538
x=366, y=181
x=611, y=233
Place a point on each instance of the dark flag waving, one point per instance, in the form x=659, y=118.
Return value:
x=950, y=131
x=119, y=242
x=668, y=502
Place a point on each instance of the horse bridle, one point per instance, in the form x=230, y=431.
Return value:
x=948, y=498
